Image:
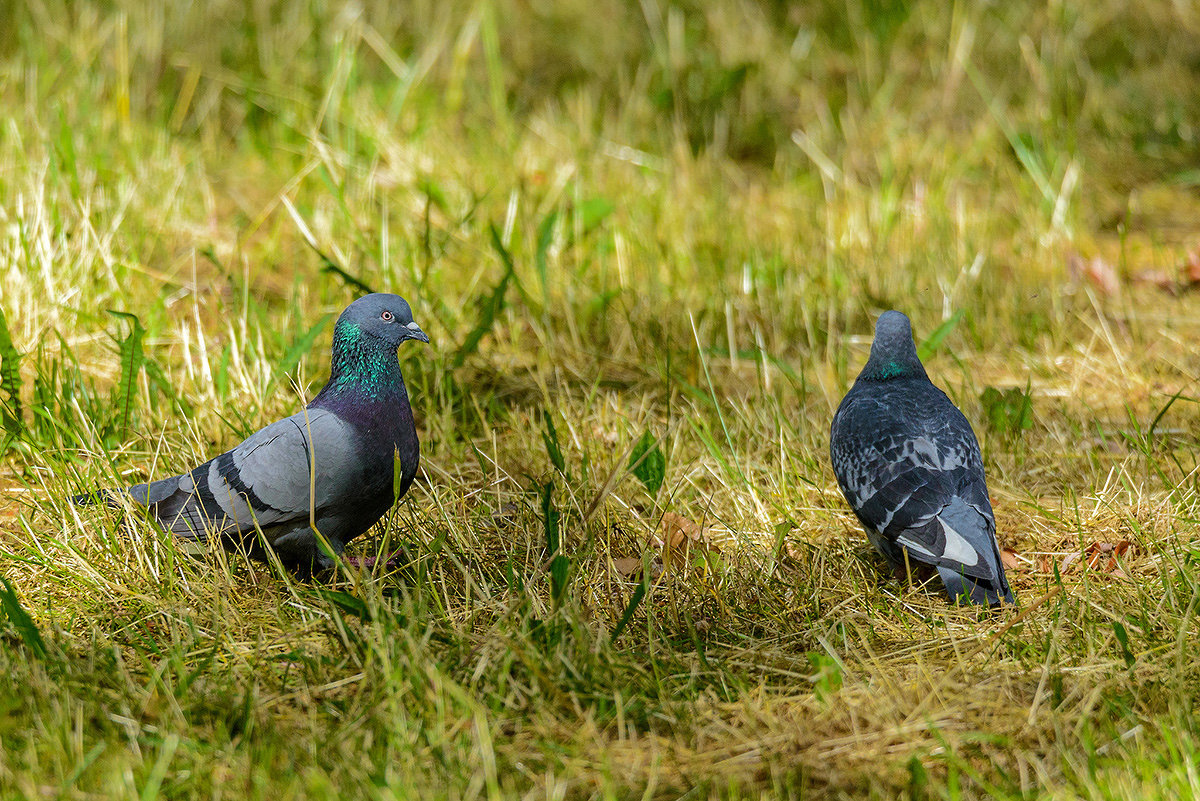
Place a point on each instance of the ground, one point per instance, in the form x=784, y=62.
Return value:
x=648, y=242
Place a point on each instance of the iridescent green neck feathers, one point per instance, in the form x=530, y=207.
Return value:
x=883, y=372
x=363, y=363
x=893, y=353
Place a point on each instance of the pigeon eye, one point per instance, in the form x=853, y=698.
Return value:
x=387, y=316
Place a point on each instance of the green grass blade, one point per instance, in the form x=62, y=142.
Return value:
x=158, y=773
x=331, y=267
x=648, y=463
x=131, y=364
x=1123, y=640
x=550, y=438
x=344, y=601
x=931, y=343
x=302, y=345
x=491, y=306
x=635, y=600
x=20, y=620
x=10, y=379
x=545, y=236
x=559, y=563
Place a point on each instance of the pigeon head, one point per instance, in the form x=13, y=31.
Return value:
x=380, y=320
x=893, y=354
x=365, y=340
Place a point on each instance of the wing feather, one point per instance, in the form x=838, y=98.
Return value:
x=265, y=481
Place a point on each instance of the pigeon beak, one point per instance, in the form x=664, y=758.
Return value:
x=416, y=333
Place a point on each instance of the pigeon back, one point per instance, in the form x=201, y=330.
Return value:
x=910, y=467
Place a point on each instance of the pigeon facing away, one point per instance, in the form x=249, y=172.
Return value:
x=329, y=467
x=909, y=465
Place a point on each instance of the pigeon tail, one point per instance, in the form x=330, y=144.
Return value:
x=968, y=537
x=166, y=500
x=179, y=509
x=967, y=590
x=106, y=497
x=979, y=575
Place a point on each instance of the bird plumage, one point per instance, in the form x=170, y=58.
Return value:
x=328, y=468
x=910, y=467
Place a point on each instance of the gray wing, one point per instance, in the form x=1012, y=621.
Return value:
x=265, y=481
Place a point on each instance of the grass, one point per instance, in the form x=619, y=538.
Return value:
x=658, y=230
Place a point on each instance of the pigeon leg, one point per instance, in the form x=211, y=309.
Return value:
x=390, y=561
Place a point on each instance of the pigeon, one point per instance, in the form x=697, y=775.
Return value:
x=909, y=465
x=329, y=468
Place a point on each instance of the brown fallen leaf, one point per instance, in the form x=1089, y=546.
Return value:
x=1103, y=276
x=1103, y=556
x=1096, y=553
x=1067, y=561
x=1188, y=275
x=677, y=535
x=1119, y=551
x=1191, y=271
x=1158, y=278
x=1098, y=272
x=506, y=515
x=1008, y=558
x=627, y=566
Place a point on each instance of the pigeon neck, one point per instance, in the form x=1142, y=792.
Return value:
x=892, y=364
x=363, y=369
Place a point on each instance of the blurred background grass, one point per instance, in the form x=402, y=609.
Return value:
x=613, y=219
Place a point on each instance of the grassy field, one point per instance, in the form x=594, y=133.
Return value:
x=656, y=229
